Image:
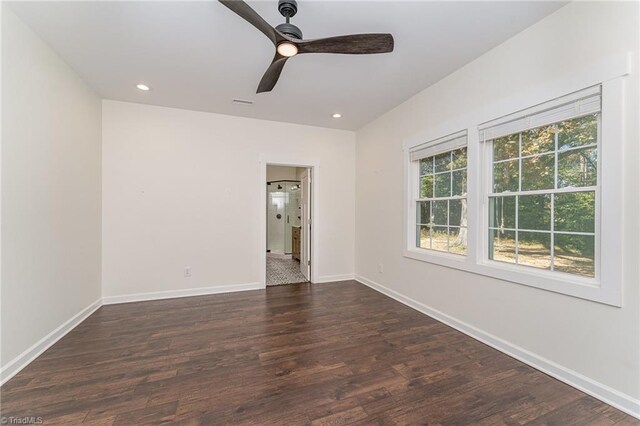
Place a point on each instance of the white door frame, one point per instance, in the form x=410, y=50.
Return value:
x=294, y=161
x=305, y=223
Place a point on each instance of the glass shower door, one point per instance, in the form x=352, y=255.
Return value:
x=276, y=200
x=283, y=213
x=292, y=209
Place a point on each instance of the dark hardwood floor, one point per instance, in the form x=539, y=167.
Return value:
x=323, y=354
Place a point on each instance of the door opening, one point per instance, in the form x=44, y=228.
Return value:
x=288, y=225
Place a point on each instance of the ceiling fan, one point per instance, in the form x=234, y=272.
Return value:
x=287, y=38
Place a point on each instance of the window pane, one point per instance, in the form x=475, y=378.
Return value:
x=459, y=182
x=538, y=172
x=534, y=249
x=458, y=240
x=502, y=212
x=574, y=254
x=422, y=237
x=575, y=212
x=455, y=212
x=557, y=156
x=459, y=158
x=502, y=245
x=577, y=168
x=443, y=185
x=439, y=238
x=426, y=186
x=537, y=141
x=443, y=162
x=505, y=147
x=423, y=214
x=505, y=176
x=534, y=212
x=440, y=212
x=433, y=217
x=426, y=166
x=578, y=132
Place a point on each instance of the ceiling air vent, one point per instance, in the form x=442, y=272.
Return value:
x=242, y=102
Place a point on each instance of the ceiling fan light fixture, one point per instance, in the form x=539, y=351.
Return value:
x=143, y=87
x=287, y=49
x=337, y=115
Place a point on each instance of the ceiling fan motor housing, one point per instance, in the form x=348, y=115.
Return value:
x=288, y=8
x=290, y=30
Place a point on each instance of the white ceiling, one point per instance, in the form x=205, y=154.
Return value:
x=200, y=55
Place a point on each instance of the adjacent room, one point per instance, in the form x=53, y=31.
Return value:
x=294, y=212
x=288, y=225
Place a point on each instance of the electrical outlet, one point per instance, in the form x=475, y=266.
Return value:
x=380, y=268
x=187, y=271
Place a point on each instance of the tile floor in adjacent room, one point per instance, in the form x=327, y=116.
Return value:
x=283, y=271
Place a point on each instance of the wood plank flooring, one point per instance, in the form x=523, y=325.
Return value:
x=327, y=354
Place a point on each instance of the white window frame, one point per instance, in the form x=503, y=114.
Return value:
x=435, y=146
x=445, y=144
x=606, y=287
x=487, y=192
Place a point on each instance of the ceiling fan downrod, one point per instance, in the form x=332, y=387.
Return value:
x=288, y=9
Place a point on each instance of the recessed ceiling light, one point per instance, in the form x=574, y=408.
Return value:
x=337, y=115
x=143, y=87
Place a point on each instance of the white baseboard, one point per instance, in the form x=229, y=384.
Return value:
x=333, y=278
x=598, y=390
x=170, y=294
x=25, y=358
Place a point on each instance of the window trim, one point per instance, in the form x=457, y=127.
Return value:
x=609, y=224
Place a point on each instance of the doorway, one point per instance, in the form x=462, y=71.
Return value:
x=288, y=225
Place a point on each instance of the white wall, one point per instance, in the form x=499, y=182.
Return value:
x=181, y=188
x=281, y=173
x=597, y=341
x=51, y=192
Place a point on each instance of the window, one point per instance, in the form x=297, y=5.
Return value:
x=543, y=193
x=441, y=195
x=533, y=197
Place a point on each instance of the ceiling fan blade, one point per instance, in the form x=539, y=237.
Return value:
x=355, y=44
x=271, y=76
x=245, y=11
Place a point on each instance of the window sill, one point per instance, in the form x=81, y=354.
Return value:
x=582, y=288
x=440, y=258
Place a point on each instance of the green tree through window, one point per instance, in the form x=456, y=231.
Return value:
x=542, y=207
x=441, y=210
